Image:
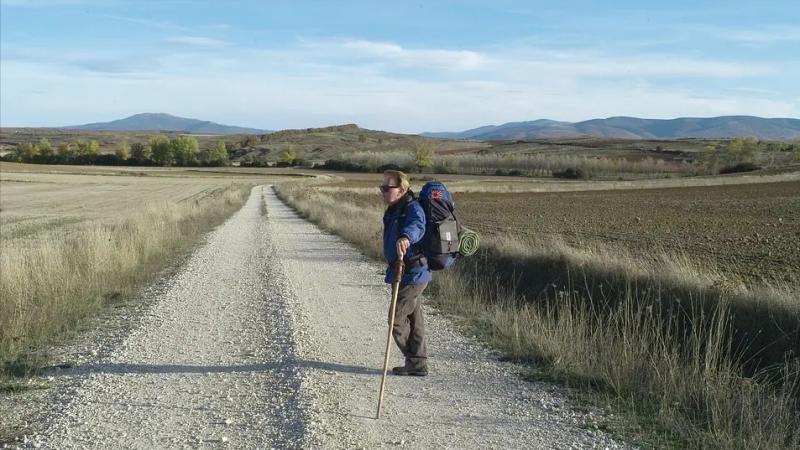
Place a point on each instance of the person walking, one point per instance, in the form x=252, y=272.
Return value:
x=403, y=232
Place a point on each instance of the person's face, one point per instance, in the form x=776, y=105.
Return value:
x=391, y=190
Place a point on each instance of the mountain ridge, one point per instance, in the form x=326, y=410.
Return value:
x=166, y=122
x=623, y=127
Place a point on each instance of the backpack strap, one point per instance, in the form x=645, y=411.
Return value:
x=404, y=205
x=419, y=260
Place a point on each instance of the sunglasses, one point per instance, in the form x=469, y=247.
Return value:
x=387, y=188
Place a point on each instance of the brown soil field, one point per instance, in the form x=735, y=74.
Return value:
x=748, y=231
x=752, y=230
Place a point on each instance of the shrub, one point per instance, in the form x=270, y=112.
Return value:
x=423, y=155
x=346, y=166
x=386, y=167
x=740, y=167
x=289, y=154
x=571, y=174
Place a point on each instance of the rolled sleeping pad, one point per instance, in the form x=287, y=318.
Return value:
x=468, y=242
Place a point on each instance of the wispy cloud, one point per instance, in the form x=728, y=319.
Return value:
x=200, y=41
x=774, y=34
x=97, y=62
x=150, y=23
x=51, y=3
x=424, y=57
x=586, y=64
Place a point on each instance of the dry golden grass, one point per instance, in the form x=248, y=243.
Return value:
x=692, y=362
x=71, y=243
x=49, y=283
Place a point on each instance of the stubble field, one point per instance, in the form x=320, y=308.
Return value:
x=74, y=239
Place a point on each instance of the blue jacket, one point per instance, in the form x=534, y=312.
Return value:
x=411, y=226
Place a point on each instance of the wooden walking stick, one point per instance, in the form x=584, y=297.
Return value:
x=399, y=266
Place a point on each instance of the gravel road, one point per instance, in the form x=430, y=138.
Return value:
x=271, y=335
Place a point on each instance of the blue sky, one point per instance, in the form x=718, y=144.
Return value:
x=397, y=66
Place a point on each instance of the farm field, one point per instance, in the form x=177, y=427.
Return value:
x=37, y=198
x=748, y=230
x=74, y=239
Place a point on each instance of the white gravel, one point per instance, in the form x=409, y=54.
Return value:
x=271, y=335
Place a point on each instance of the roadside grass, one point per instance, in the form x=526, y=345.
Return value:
x=48, y=285
x=686, y=359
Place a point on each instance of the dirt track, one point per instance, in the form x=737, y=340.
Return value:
x=270, y=336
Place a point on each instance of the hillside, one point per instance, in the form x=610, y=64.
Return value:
x=315, y=144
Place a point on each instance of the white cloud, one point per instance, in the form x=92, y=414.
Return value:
x=582, y=63
x=453, y=59
x=200, y=41
x=765, y=35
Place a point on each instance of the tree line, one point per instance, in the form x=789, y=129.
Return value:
x=743, y=154
x=160, y=151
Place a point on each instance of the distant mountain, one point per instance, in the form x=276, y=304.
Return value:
x=635, y=128
x=166, y=122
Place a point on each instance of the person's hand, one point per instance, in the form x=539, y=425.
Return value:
x=402, y=247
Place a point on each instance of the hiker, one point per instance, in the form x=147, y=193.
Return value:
x=403, y=230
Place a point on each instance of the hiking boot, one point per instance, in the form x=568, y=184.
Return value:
x=410, y=370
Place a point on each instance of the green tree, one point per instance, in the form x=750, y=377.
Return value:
x=185, y=150
x=140, y=152
x=751, y=150
x=710, y=158
x=733, y=151
x=219, y=155
x=362, y=138
x=87, y=148
x=250, y=140
x=45, y=149
x=123, y=150
x=423, y=155
x=65, y=151
x=161, y=151
x=289, y=154
x=27, y=152
x=743, y=150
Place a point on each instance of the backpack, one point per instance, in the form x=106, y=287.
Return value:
x=440, y=243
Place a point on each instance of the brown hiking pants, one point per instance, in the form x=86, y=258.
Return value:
x=409, y=325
